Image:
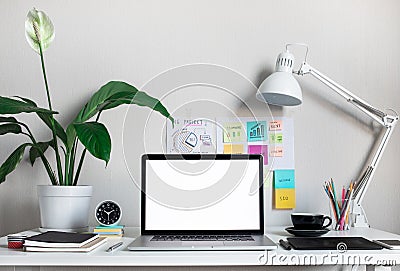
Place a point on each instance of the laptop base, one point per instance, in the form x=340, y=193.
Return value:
x=143, y=243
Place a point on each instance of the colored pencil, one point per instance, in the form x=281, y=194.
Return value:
x=343, y=195
x=334, y=197
x=340, y=205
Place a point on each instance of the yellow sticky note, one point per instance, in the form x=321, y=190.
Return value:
x=233, y=148
x=285, y=198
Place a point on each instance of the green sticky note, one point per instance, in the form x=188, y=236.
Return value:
x=233, y=132
x=276, y=138
x=284, y=178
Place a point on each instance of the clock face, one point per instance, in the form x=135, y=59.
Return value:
x=108, y=213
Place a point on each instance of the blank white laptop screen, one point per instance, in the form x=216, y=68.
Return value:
x=197, y=195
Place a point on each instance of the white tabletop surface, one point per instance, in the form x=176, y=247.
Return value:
x=123, y=257
x=327, y=257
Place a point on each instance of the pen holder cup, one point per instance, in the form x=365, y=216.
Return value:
x=340, y=214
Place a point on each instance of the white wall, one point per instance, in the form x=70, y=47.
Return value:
x=354, y=42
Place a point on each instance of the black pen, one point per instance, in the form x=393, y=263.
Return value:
x=113, y=247
x=285, y=244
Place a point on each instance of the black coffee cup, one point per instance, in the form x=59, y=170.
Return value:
x=308, y=221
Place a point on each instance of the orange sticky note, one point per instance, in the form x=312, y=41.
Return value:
x=276, y=152
x=285, y=198
x=233, y=148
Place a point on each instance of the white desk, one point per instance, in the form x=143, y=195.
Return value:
x=381, y=259
x=374, y=259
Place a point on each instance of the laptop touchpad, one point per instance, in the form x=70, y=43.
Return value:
x=202, y=243
x=164, y=244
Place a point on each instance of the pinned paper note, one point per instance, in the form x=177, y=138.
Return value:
x=191, y=136
x=201, y=135
x=256, y=131
x=276, y=138
x=259, y=149
x=276, y=152
x=233, y=148
x=285, y=198
x=233, y=132
x=284, y=178
x=275, y=125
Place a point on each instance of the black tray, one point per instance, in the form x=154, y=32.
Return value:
x=332, y=243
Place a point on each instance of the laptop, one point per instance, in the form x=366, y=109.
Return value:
x=202, y=202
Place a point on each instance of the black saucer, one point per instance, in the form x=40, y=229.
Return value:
x=306, y=233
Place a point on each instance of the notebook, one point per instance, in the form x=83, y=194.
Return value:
x=60, y=239
x=85, y=248
x=202, y=202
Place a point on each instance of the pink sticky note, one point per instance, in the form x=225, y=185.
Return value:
x=275, y=125
x=259, y=149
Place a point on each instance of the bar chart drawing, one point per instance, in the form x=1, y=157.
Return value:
x=256, y=131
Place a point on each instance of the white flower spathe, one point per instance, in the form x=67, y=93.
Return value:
x=38, y=30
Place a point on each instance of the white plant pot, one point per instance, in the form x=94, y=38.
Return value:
x=64, y=208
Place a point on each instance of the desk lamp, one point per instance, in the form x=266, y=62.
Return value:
x=281, y=88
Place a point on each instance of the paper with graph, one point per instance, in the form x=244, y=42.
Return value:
x=273, y=138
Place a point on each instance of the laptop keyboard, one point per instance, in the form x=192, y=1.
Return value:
x=202, y=238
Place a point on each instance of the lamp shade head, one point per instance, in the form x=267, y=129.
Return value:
x=281, y=88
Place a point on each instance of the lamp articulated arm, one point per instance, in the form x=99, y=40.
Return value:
x=387, y=121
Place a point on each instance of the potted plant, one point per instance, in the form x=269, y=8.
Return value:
x=85, y=129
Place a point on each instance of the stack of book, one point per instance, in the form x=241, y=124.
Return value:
x=54, y=241
x=110, y=231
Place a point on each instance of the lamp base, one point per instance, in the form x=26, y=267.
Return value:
x=359, y=217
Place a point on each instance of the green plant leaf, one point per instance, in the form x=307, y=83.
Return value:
x=8, y=119
x=11, y=106
x=96, y=139
x=71, y=135
x=37, y=149
x=59, y=129
x=10, y=128
x=140, y=98
x=115, y=93
x=12, y=162
x=46, y=118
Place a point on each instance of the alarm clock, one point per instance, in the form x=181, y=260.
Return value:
x=108, y=213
